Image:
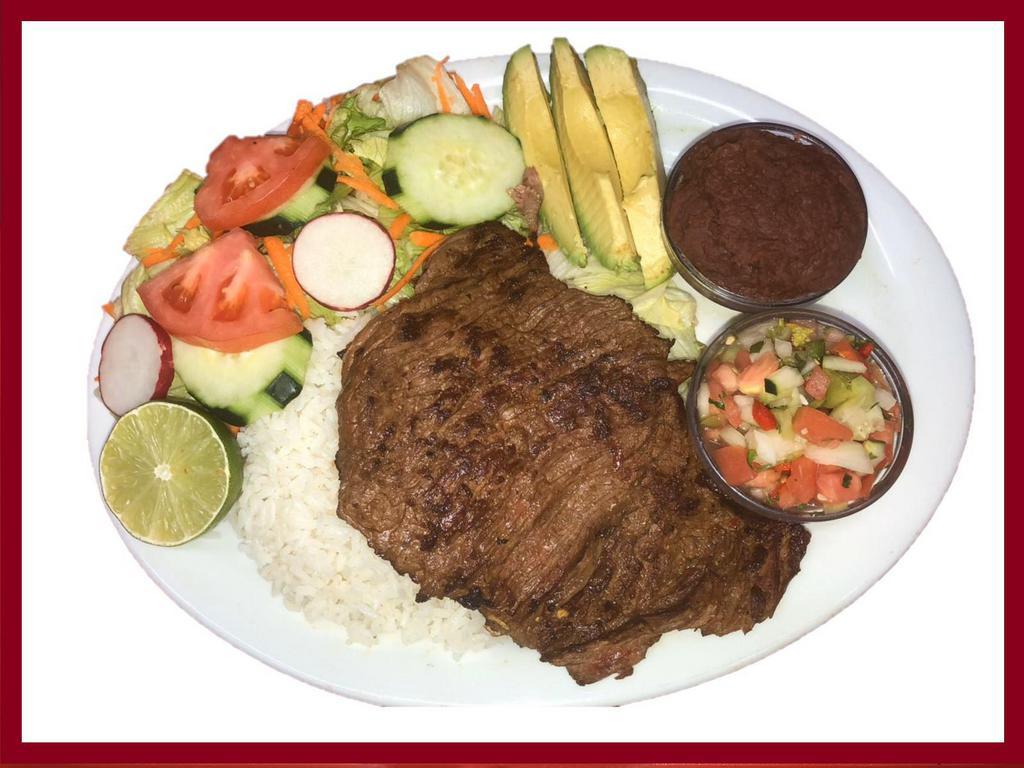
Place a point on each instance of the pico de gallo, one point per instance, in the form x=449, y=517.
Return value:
x=798, y=414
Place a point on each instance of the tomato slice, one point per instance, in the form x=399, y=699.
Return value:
x=224, y=296
x=248, y=179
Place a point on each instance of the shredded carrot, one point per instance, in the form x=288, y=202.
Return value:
x=368, y=188
x=303, y=109
x=109, y=308
x=343, y=161
x=281, y=258
x=156, y=256
x=425, y=254
x=547, y=243
x=442, y=94
x=424, y=239
x=232, y=428
x=319, y=111
x=398, y=226
x=350, y=164
x=474, y=96
x=485, y=111
x=464, y=90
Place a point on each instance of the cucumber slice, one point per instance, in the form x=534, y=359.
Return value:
x=453, y=169
x=300, y=207
x=243, y=387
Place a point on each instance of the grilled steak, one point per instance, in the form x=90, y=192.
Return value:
x=520, y=446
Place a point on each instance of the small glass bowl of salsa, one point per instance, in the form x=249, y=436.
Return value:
x=799, y=415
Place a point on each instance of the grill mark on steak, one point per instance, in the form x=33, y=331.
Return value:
x=519, y=446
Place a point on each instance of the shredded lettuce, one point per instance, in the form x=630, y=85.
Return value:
x=412, y=93
x=130, y=303
x=316, y=309
x=167, y=216
x=178, y=389
x=371, y=148
x=596, y=278
x=514, y=220
x=667, y=307
x=349, y=123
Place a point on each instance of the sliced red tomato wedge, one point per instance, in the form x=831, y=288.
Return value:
x=224, y=296
x=248, y=179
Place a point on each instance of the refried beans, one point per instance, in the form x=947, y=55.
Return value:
x=766, y=212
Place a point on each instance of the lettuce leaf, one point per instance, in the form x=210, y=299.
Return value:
x=667, y=307
x=349, y=122
x=596, y=278
x=316, y=309
x=412, y=93
x=514, y=220
x=672, y=312
x=168, y=215
x=131, y=303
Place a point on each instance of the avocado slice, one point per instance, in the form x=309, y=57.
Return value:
x=528, y=117
x=593, y=177
x=622, y=100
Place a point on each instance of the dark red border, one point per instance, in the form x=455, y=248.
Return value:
x=13, y=750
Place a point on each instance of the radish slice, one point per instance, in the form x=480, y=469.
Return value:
x=344, y=260
x=136, y=364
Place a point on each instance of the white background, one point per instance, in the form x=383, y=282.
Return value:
x=112, y=113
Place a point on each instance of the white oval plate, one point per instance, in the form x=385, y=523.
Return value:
x=903, y=291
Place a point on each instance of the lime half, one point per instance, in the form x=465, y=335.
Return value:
x=169, y=472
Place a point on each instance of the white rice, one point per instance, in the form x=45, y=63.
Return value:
x=287, y=521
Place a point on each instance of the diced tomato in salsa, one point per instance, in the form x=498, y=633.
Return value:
x=816, y=383
x=843, y=348
x=751, y=378
x=787, y=415
x=764, y=417
x=732, y=463
x=726, y=376
x=838, y=487
x=766, y=478
x=732, y=412
x=818, y=427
